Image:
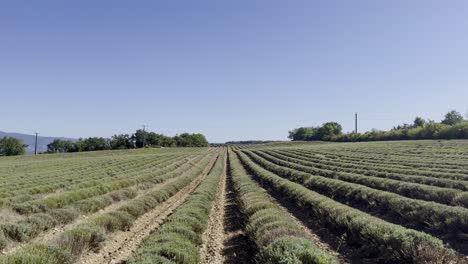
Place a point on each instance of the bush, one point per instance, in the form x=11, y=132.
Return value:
x=81, y=238
x=292, y=250
x=112, y=221
x=19, y=232
x=64, y=215
x=39, y=254
x=10, y=146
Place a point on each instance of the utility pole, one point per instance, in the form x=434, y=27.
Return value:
x=35, y=146
x=355, y=123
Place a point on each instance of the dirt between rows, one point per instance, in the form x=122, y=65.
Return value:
x=312, y=235
x=211, y=251
x=121, y=245
x=238, y=248
x=322, y=238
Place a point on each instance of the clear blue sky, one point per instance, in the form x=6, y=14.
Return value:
x=233, y=70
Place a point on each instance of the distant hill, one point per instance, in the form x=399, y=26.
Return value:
x=42, y=142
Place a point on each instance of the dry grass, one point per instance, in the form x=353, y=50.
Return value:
x=425, y=253
x=9, y=216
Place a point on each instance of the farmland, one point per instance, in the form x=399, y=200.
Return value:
x=285, y=202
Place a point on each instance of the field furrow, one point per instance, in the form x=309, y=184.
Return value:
x=213, y=238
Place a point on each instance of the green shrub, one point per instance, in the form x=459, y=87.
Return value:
x=134, y=208
x=18, y=232
x=151, y=259
x=112, y=221
x=81, y=238
x=93, y=204
x=293, y=250
x=176, y=250
x=39, y=254
x=183, y=230
x=64, y=215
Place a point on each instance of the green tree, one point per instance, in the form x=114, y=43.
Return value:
x=419, y=122
x=10, y=146
x=303, y=133
x=451, y=118
x=123, y=141
x=167, y=141
x=93, y=144
x=140, y=137
x=59, y=145
x=54, y=146
x=328, y=130
x=191, y=140
x=431, y=130
x=199, y=140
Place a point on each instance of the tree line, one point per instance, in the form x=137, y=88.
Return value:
x=139, y=139
x=10, y=146
x=324, y=132
x=453, y=126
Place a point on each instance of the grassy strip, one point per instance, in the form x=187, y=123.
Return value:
x=278, y=238
x=91, y=234
x=389, y=241
x=448, y=221
x=412, y=190
x=179, y=239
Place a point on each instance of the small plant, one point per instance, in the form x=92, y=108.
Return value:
x=81, y=238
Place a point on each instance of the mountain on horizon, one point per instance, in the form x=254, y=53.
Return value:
x=29, y=140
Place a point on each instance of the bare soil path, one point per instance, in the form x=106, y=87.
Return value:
x=122, y=244
x=213, y=239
